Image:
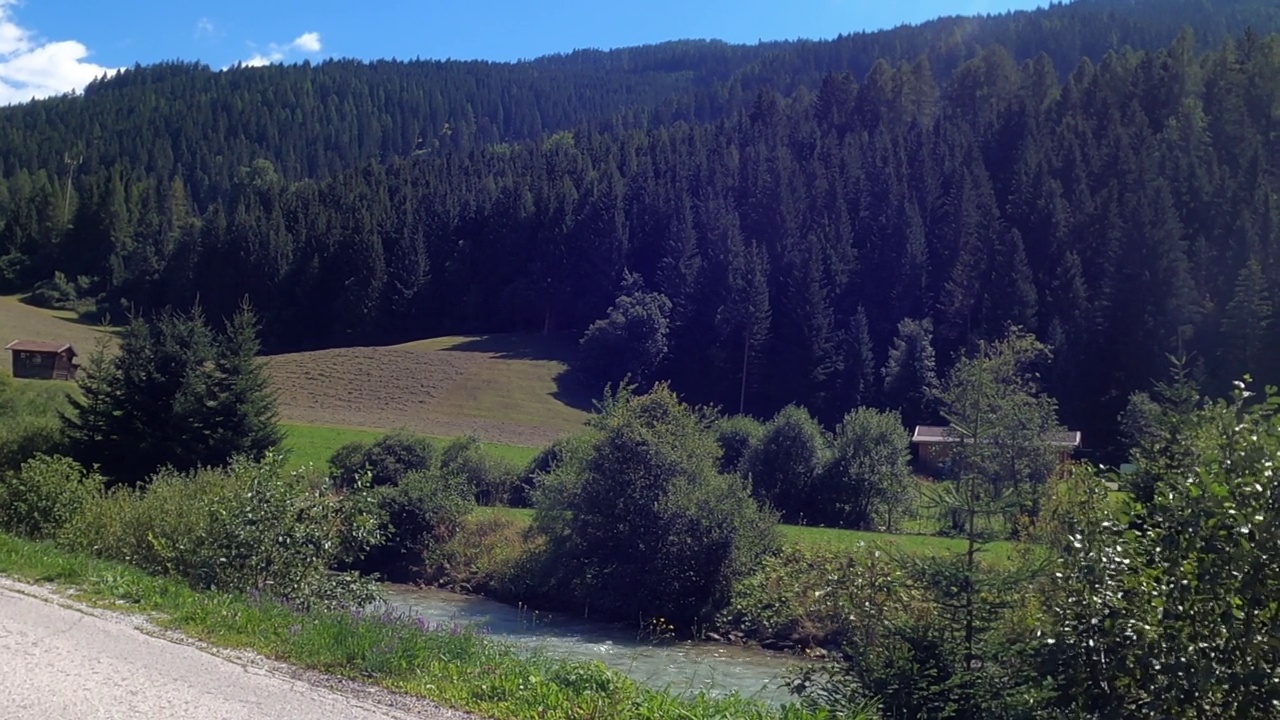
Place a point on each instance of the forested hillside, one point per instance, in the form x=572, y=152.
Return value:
x=841, y=227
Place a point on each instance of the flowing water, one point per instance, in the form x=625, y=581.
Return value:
x=678, y=667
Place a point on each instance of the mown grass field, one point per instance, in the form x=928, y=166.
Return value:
x=515, y=390
x=509, y=390
x=837, y=540
x=314, y=444
x=24, y=322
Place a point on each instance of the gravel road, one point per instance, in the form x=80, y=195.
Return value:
x=61, y=661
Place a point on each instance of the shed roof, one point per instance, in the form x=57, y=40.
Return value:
x=927, y=434
x=37, y=346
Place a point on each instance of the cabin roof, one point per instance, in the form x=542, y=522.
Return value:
x=929, y=434
x=38, y=346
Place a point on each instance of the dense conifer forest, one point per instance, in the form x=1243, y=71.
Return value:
x=837, y=221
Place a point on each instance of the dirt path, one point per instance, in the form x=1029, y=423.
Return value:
x=61, y=660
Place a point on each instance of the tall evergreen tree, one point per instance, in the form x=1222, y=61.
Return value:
x=911, y=374
x=1246, y=325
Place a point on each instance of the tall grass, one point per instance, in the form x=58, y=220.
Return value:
x=455, y=666
x=29, y=418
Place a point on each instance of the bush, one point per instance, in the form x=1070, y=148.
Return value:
x=539, y=467
x=250, y=527
x=493, y=479
x=814, y=596
x=45, y=495
x=495, y=556
x=59, y=293
x=736, y=436
x=387, y=459
x=784, y=465
x=868, y=477
x=423, y=510
x=641, y=520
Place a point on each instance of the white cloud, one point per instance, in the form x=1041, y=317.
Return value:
x=205, y=28
x=31, y=67
x=308, y=42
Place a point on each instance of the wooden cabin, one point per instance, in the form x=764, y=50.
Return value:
x=934, y=446
x=43, y=360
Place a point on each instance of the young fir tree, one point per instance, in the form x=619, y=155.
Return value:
x=245, y=415
x=1246, y=323
x=911, y=373
x=175, y=394
x=1000, y=424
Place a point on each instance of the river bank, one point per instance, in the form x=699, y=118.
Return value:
x=679, y=667
x=452, y=666
x=802, y=601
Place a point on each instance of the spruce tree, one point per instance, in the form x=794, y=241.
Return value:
x=1246, y=324
x=245, y=418
x=911, y=374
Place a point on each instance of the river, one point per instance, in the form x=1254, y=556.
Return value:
x=680, y=667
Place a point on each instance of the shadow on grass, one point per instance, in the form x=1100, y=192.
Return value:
x=93, y=317
x=572, y=388
x=559, y=348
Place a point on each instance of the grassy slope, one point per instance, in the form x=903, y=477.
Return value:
x=511, y=390
x=523, y=381
x=23, y=322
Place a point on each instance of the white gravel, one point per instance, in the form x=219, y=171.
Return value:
x=61, y=660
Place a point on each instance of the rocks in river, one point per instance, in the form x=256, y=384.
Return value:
x=778, y=645
x=713, y=637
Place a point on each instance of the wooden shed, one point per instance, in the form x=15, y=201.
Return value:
x=43, y=360
x=934, y=445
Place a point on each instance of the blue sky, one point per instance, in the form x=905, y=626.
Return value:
x=53, y=46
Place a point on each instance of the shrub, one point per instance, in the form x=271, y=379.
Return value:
x=869, y=474
x=422, y=510
x=387, y=459
x=817, y=596
x=539, y=467
x=784, y=465
x=45, y=495
x=60, y=293
x=642, y=521
x=736, y=436
x=250, y=527
x=493, y=479
x=495, y=556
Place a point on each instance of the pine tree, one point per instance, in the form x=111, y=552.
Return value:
x=245, y=419
x=1246, y=324
x=910, y=374
x=857, y=371
x=174, y=395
